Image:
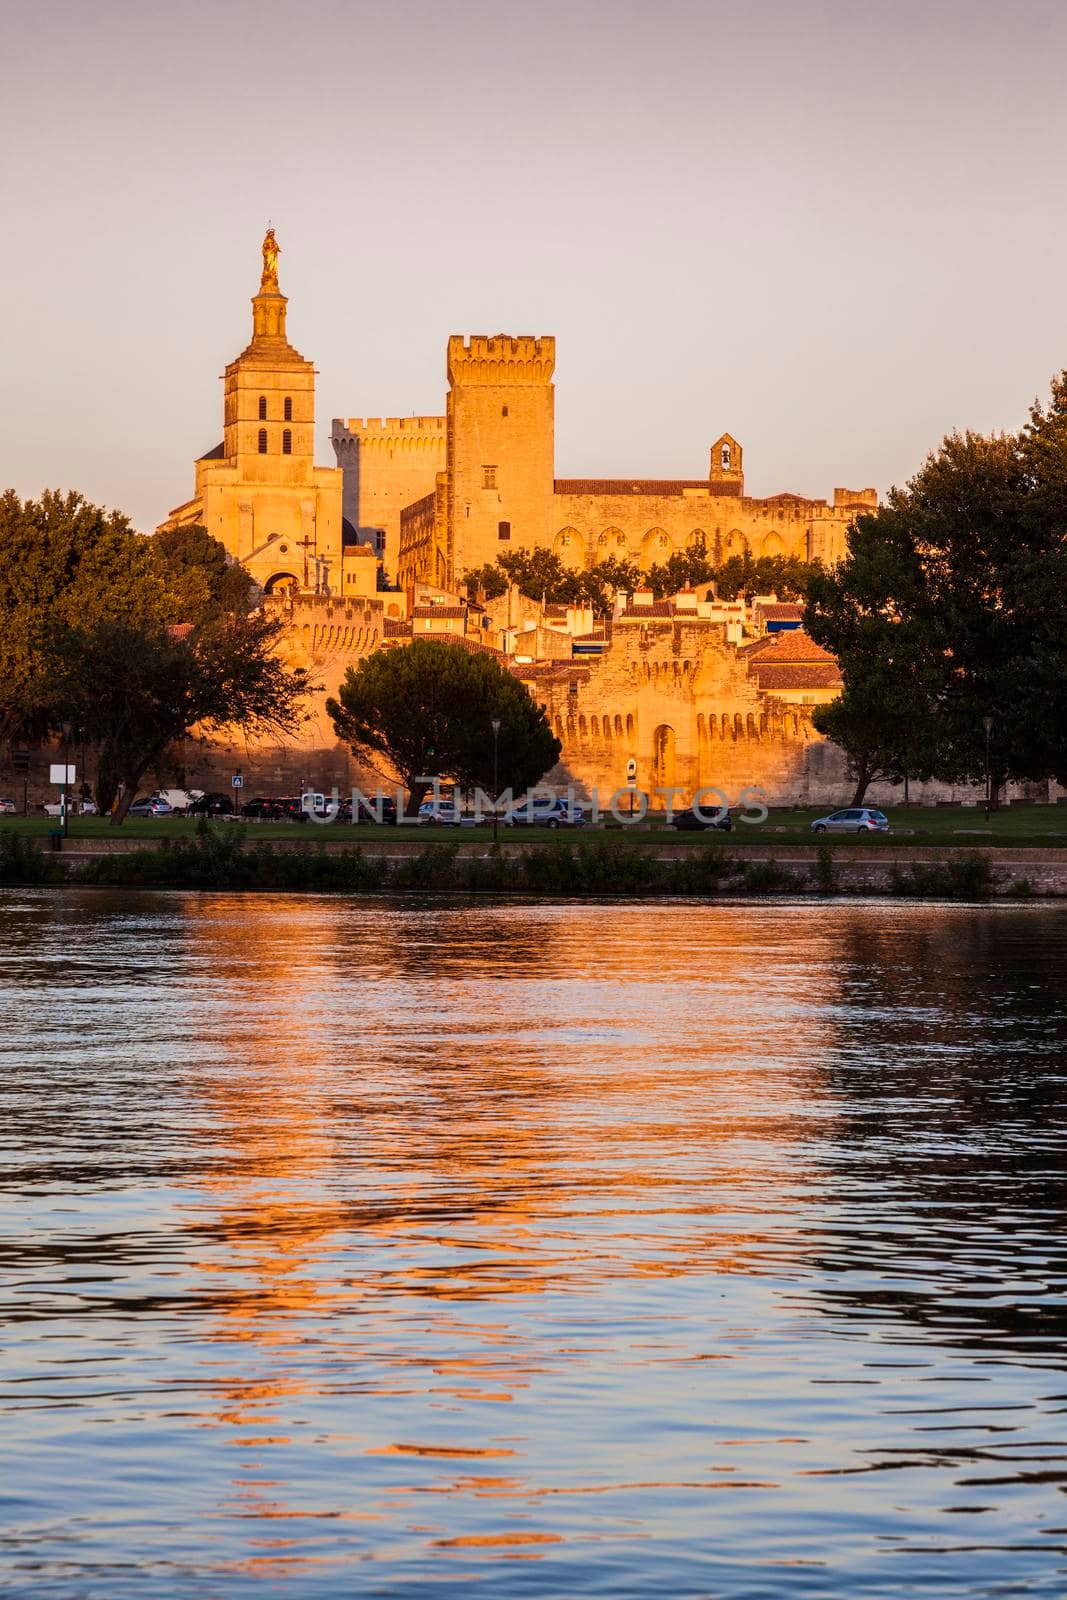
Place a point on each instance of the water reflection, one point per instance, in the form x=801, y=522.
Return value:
x=531, y=1249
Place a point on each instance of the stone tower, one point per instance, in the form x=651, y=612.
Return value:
x=259, y=491
x=500, y=447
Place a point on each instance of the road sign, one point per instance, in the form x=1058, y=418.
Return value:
x=237, y=781
x=631, y=770
x=61, y=774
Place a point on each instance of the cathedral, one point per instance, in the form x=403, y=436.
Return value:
x=431, y=498
x=375, y=551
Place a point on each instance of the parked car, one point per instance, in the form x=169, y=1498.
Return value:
x=442, y=812
x=372, y=810
x=75, y=808
x=856, y=819
x=211, y=805
x=541, y=812
x=698, y=820
x=151, y=805
x=7, y=808
x=263, y=809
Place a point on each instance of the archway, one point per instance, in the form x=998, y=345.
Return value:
x=663, y=756
x=281, y=583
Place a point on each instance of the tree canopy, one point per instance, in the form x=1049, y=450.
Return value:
x=132, y=640
x=951, y=607
x=541, y=575
x=427, y=709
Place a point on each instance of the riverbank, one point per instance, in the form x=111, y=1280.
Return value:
x=706, y=865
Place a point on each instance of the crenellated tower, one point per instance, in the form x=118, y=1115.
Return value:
x=500, y=450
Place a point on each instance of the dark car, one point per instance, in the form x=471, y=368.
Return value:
x=699, y=821
x=367, y=811
x=211, y=805
x=262, y=809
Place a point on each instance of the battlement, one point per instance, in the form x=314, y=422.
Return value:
x=418, y=436
x=389, y=425
x=856, y=497
x=500, y=358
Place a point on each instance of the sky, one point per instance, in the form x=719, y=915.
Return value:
x=836, y=230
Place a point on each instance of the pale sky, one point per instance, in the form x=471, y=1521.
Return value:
x=836, y=230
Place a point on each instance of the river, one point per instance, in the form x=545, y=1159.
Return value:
x=362, y=1248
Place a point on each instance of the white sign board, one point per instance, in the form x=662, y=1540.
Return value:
x=61, y=774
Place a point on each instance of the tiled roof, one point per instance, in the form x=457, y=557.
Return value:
x=801, y=675
x=645, y=486
x=783, y=611
x=652, y=608
x=439, y=611
x=793, y=645
x=394, y=629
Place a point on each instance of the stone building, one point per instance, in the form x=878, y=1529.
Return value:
x=259, y=490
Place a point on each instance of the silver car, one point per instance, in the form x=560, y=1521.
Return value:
x=857, y=819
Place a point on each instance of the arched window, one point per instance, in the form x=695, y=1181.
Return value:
x=287, y=442
x=262, y=408
x=288, y=409
x=262, y=441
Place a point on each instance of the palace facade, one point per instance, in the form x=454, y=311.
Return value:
x=376, y=550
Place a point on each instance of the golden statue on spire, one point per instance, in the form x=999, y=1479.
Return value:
x=271, y=252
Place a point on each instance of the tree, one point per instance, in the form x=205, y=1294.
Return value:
x=490, y=581
x=786, y=576
x=202, y=581
x=427, y=708
x=134, y=689
x=969, y=613
x=683, y=569
x=63, y=563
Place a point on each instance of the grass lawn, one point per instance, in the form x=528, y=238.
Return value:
x=963, y=826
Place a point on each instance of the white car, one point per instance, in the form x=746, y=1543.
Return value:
x=444, y=812
x=545, y=813
x=75, y=808
x=7, y=808
x=857, y=819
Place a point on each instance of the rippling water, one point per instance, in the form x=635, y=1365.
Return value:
x=516, y=1250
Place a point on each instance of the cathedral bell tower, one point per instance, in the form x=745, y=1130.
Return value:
x=269, y=396
x=259, y=491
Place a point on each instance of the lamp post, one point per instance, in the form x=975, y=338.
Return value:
x=496, y=775
x=987, y=724
x=63, y=788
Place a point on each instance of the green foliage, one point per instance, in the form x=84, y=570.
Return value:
x=201, y=581
x=428, y=709
x=786, y=576
x=685, y=569
x=133, y=689
x=766, y=877
x=23, y=863
x=952, y=607
x=63, y=564
x=825, y=871
x=966, y=877
x=490, y=581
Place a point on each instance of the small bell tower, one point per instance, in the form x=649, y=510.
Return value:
x=726, y=465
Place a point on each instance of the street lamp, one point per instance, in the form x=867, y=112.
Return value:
x=67, y=729
x=495, y=725
x=987, y=724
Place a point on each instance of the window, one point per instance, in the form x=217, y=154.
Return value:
x=287, y=442
x=503, y=411
x=262, y=441
x=262, y=408
x=379, y=540
x=503, y=530
x=288, y=409
x=489, y=478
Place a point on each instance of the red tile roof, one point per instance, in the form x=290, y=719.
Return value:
x=646, y=486
x=810, y=675
x=439, y=611
x=782, y=611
